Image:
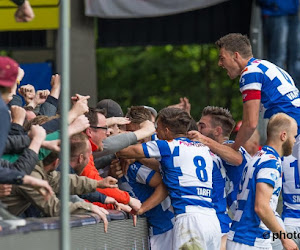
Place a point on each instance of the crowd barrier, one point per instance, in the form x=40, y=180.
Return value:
x=87, y=232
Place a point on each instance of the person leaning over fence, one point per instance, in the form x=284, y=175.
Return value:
x=9, y=70
x=97, y=132
x=22, y=196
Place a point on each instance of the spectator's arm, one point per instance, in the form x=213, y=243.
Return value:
x=115, y=143
x=94, y=197
x=16, y=144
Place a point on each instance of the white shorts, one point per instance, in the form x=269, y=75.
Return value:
x=162, y=241
x=292, y=229
x=232, y=245
x=197, y=231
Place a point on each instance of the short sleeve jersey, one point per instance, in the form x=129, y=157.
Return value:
x=275, y=88
x=187, y=173
x=247, y=228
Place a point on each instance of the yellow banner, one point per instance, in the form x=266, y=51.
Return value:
x=7, y=3
x=46, y=16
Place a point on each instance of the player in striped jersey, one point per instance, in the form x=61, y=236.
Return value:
x=259, y=190
x=261, y=82
x=291, y=196
x=215, y=127
x=187, y=173
x=217, y=124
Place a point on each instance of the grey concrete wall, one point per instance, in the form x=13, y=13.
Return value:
x=83, y=78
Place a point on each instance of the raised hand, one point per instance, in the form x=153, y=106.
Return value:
x=24, y=12
x=79, y=125
x=18, y=115
x=55, y=86
x=28, y=92
x=117, y=120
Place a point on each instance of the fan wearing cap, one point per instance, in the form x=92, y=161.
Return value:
x=114, y=115
x=9, y=70
x=10, y=74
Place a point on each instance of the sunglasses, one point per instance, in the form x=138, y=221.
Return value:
x=95, y=127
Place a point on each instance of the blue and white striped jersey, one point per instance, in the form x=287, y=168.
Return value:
x=291, y=191
x=219, y=193
x=234, y=174
x=278, y=91
x=136, y=183
x=247, y=228
x=154, y=137
x=187, y=173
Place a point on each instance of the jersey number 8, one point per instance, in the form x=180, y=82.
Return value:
x=200, y=168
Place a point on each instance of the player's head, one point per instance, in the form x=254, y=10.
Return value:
x=234, y=48
x=173, y=122
x=137, y=115
x=216, y=123
x=282, y=129
x=236, y=42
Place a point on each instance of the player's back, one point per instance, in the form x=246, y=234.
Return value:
x=187, y=172
x=247, y=227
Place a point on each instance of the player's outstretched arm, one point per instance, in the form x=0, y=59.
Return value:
x=134, y=151
x=158, y=195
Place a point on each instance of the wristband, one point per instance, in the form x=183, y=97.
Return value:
x=19, y=179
